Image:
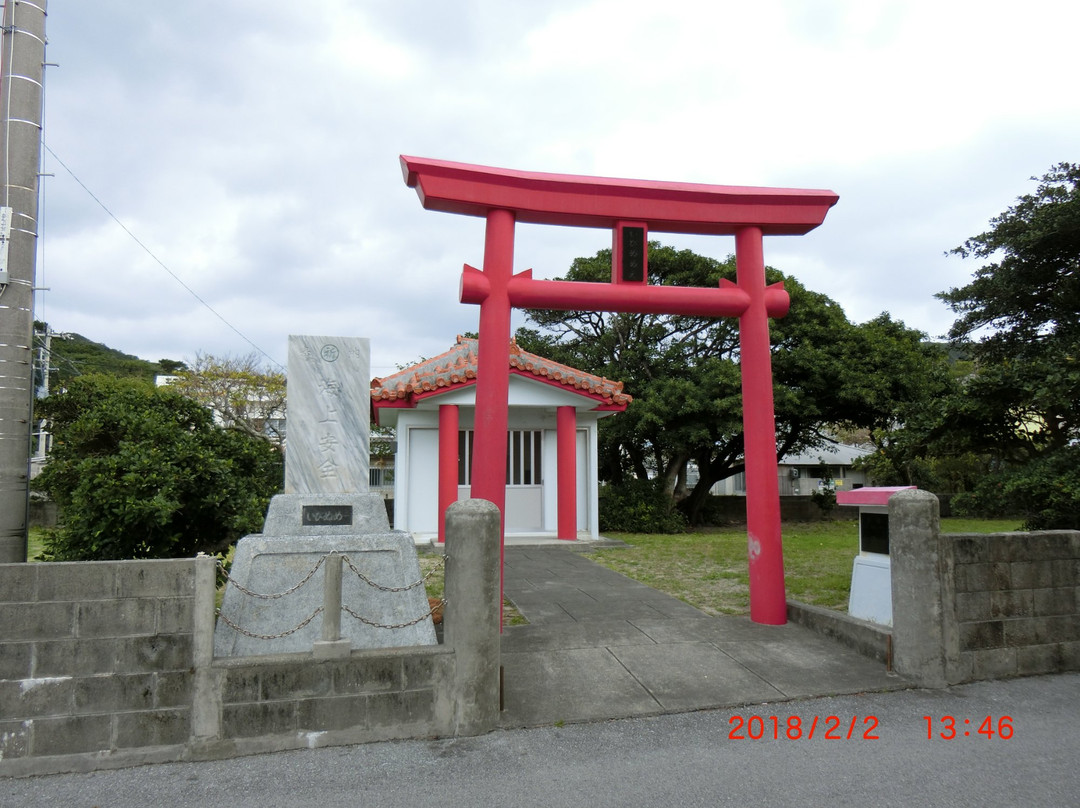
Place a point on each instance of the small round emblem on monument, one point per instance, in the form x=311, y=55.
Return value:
x=329, y=353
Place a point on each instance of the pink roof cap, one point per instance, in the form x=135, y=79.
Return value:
x=870, y=495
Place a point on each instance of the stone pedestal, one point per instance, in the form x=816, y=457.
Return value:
x=919, y=588
x=299, y=531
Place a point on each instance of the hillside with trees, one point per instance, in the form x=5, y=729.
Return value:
x=72, y=355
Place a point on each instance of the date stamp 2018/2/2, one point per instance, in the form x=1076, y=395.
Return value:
x=794, y=728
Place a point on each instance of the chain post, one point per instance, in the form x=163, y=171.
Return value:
x=331, y=619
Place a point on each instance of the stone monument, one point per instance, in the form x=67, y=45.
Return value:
x=328, y=415
x=326, y=508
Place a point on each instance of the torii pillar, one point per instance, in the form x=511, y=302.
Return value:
x=630, y=209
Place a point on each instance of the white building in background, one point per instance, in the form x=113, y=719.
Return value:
x=830, y=466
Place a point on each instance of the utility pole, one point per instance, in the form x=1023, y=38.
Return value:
x=22, y=64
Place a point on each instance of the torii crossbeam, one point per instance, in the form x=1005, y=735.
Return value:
x=631, y=209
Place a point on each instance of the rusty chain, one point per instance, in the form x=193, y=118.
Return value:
x=247, y=633
x=407, y=587
x=288, y=591
x=430, y=612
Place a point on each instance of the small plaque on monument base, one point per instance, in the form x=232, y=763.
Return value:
x=326, y=515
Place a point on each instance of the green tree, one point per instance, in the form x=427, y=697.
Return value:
x=171, y=366
x=1043, y=491
x=684, y=375
x=1027, y=299
x=143, y=472
x=908, y=382
x=1019, y=323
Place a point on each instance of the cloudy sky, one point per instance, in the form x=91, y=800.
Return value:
x=252, y=146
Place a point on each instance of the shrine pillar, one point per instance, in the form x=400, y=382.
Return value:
x=448, y=462
x=493, y=367
x=566, y=450
x=768, y=602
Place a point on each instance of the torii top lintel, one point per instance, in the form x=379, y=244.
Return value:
x=581, y=201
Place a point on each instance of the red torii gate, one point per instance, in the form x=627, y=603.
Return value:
x=631, y=209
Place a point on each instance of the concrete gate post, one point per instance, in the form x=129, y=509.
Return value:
x=206, y=686
x=473, y=611
x=918, y=588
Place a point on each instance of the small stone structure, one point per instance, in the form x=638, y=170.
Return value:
x=299, y=532
x=328, y=427
x=870, y=598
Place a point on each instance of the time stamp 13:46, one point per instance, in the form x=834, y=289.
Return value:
x=866, y=728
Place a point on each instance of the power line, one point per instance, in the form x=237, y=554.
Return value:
x=157, y=260
x=75, y=365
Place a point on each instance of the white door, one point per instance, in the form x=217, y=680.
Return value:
x=524, y=481
x=422, y=507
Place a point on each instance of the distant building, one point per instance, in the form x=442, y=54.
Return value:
x=812, y=470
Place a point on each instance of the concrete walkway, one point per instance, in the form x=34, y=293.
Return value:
x=599, y=645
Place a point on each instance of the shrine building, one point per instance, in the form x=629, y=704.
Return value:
x=551, y=462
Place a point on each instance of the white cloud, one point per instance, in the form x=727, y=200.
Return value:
x=253, y=147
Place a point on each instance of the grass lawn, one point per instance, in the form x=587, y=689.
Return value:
x=708, y=568
x=36, y=543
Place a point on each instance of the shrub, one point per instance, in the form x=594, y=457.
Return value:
x=639, y=506
x=142, y=472
x=1045, y=492
x=825, y=499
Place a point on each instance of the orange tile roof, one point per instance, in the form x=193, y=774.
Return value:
x=457, y=368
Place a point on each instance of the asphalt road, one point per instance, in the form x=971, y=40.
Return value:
x=683, y=760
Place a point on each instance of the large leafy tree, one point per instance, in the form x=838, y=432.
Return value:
x=143, y=472
x=910, y=383
x=685, y=378
x=1019, y=319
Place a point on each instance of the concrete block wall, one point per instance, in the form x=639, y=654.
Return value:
x=106, y=664
x=1017, y=603
x=980, y=606
x=732, y=508
x=95, y=658
x=292, y=700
